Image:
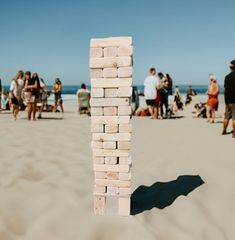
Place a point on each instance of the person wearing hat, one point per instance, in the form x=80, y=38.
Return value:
x=213, y=99
x=229, y=97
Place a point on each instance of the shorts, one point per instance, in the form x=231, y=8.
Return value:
x=14, y=101
x=151, y=102
x=230, y=111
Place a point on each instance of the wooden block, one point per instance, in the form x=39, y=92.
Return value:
x=124, y=176
x=110, y=152
x=110, y=42
x=97, y=92
x=109, y=145
x=124, y=110
x=125, y=51
x=110, y=111
x=125, y=145
x=124, y=204
x=96, y=144
x=112, y=175
x=109, y=102
x=125, y=160
x=98, y=160
x=111, y=137
x=112, y=190
x=96, y=73
x=112, y=183
x=110, y=73
x=125, y=128
x=97, y=128
x=110, y=119
x=100, y=189
x=96, y=52
x=97, y=111
x=111, y=128
x=99, y=205
x=124, y=92
x=100, y=175
x=111, y=168
x=110, y=52
x=124, y=72
x=111, y=160
x=110, y=92
x=124, y=191
x=110, y=62
x=111, y=83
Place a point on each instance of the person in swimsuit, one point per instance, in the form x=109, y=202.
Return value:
x=57, y=88
x=213, y=100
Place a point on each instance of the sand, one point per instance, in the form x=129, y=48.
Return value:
x=46, y=179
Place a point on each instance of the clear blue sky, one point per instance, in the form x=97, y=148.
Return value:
x=187, y=38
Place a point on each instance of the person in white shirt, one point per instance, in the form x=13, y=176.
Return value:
x=150, y=92
x=16, y=88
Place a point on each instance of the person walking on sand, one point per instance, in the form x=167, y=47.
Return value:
x=150, y=92
x=16, y=88
x=57, y=88
x=229, y=96
x=31, y=86
x=213, y=100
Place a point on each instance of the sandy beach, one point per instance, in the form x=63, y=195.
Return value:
x=46, y=180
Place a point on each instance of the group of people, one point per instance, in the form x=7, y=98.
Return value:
x=229, y=99
x=156, y=91
x=158, y=88
x=29, y=89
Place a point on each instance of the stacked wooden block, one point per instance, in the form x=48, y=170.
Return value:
x=111, y=90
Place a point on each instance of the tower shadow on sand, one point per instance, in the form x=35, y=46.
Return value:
x=162, y=194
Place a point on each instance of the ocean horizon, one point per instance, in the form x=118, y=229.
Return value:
x=72, y=89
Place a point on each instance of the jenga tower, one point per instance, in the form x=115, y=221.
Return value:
x=111, y=91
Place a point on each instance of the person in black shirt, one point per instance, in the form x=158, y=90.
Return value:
x=229, y=97
x=0, y=94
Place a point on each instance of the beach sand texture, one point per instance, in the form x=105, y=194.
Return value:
x=46, y=180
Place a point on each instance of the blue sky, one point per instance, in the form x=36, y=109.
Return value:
x=188, y=39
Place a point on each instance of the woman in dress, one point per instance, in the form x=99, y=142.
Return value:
x=213, y=100
x=57, y=88
x=31, y=89
x=16, y=88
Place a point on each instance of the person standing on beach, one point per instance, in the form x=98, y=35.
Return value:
x=0, y=94
x=150, y=92
x=163, y=90
x=16, y=88
x=57, y=88
x=43, y=95
x=31, y=86
x=83, y=99
x=229, y=96
x=213, y=99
